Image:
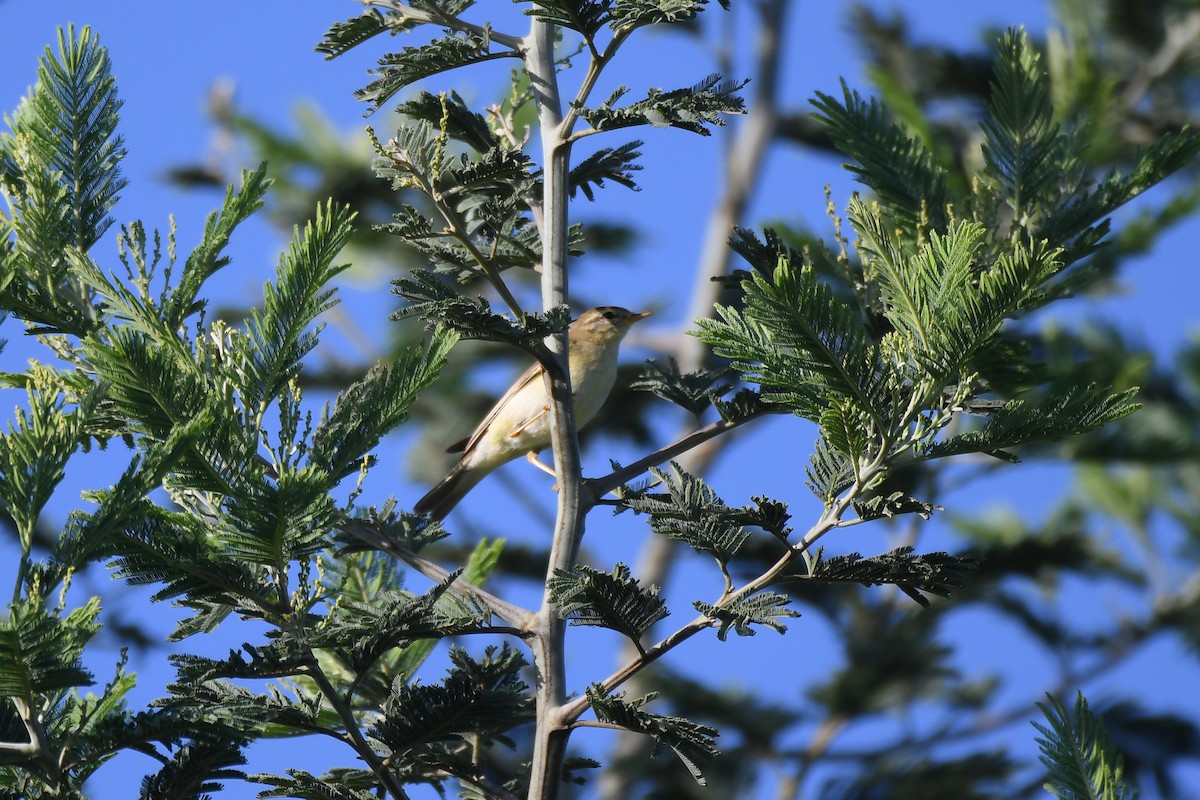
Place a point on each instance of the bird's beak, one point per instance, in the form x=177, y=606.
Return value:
x=635, y=317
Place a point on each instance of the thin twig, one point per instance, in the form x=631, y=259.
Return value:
x=407, y=12
x=598, y=487
x=357, y=740
x=520, y=618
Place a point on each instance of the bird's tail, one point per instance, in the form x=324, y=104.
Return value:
x=439, y=500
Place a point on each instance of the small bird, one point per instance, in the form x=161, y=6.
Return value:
x=519, y=423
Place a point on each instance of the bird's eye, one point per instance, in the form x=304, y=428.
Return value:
x=610, y=314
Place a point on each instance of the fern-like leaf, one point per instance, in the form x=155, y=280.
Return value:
x=41, y=650
x=278, y=336
x=692, y=109
x=935, y=573
x=1024, y=149
x=401, y=69
x=799, y=342
x=693, y=392
x=583, y=16
x=438, y=303
x=613, y=600
x=196, y=768
x=70, y=122
x=345, y=36
x=481, y=698
x=338, y=784
x=692, y=513
x=375, y=405
x=208, y=257
x=1081, y=762
x=896, y=166
x=764, y=608
x=690, y=741
x=1018, y=422
x=631, y=14
x=448, y=112
x=616, y=164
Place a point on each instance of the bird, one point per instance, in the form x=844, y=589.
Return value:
x=519, y=423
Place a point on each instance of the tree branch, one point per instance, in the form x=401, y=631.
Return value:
x=549, y=641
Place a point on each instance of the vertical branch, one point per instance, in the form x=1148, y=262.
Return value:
x=550, y=738
x=745, y=154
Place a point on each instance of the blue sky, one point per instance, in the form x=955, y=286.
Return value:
x=168, y=55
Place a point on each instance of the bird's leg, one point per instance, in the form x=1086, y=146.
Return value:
x=532, y=458
x=519, y=429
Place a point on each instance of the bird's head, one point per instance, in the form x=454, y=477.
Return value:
x=604, y=323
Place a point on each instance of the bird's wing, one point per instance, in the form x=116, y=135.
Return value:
x=531, y=374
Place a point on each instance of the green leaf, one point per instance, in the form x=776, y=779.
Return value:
x=36, y=446
x=196, y=768
x=1079, y=223
x=69, y=125
x=361, y=632
x=481, y=563
x=477, y=701
x=337, y=784
x=438, y=303
x=830, y=472
x=123, y=506
x=690, y=741
x=799, y=342
x=946, y=305
x=616, y=164
x=692, y=109
x=273, y=522
x=453, y=51
x=208, y=256
x=375, y=405
x=613, y=600
x=277, y=336
x=187, y=555
x=484, y=226
x=894, y=165
x=282, y=657
x=936, y=573
x=764, y=608
x=693, y=513
x=1077, y=410
x=1082, y=764
x=630, y=14
x=345, y=36
x=447, y=112
x=693, y=392
x=60, y=169
x=892, y=504
x=583, y=16
x=1024, y=150
x=248, y=712
x=41, y=651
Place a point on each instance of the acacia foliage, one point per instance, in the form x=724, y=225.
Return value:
x=216, y=417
